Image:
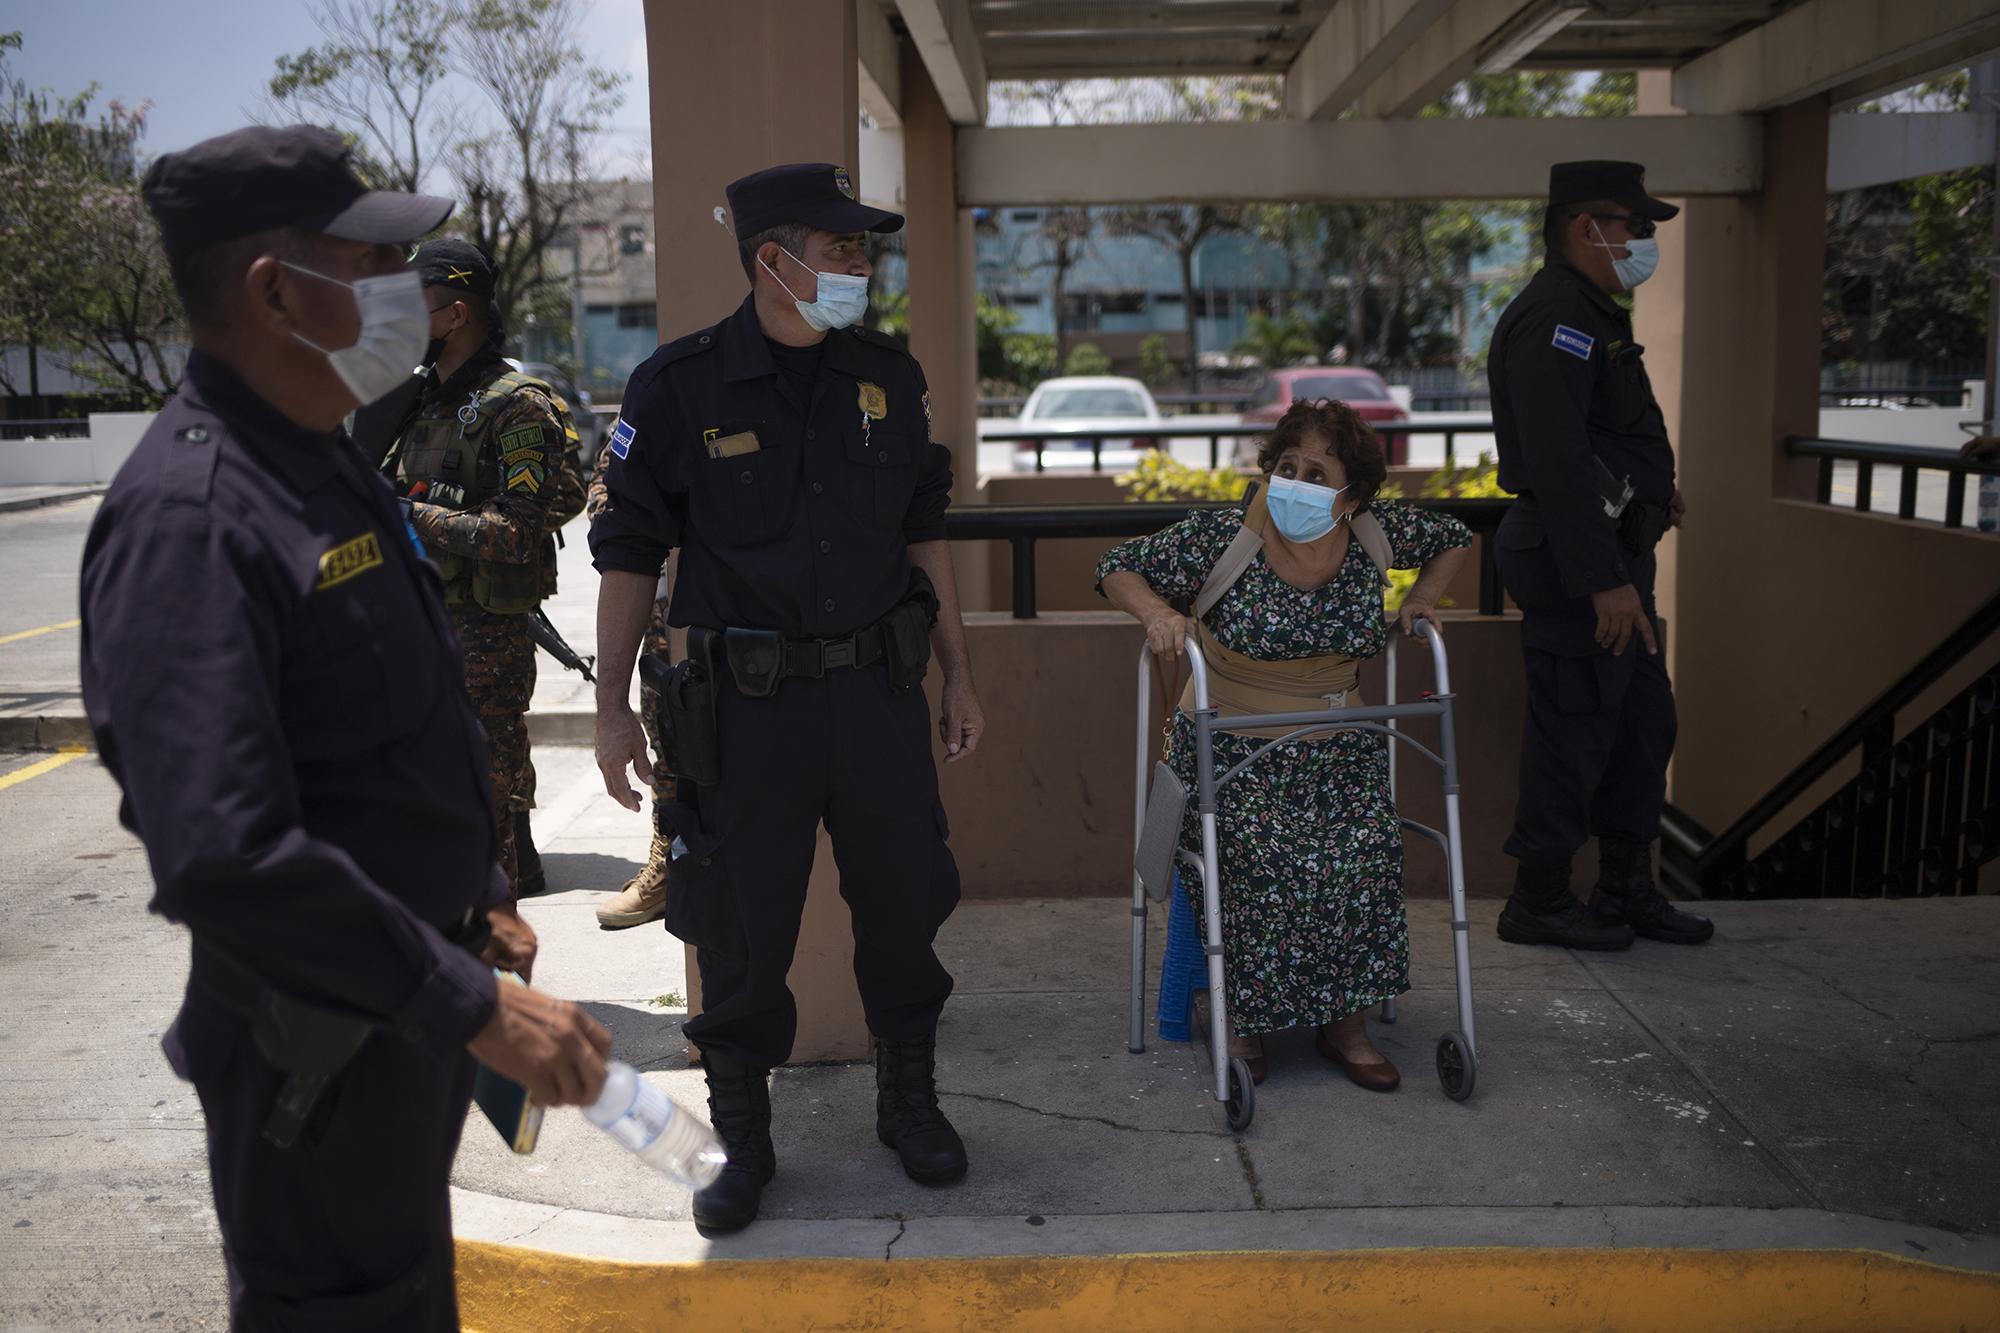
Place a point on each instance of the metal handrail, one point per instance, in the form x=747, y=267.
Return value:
x=1024, y=525
x=1214, y=432
x=1911, y=458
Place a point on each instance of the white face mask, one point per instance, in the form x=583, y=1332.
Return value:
x=843, y=298
x=395, y=329
x=1642, y=257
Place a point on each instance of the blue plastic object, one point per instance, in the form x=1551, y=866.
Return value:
x=1183, y=968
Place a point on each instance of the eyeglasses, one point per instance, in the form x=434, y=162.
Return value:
x=1640, y=227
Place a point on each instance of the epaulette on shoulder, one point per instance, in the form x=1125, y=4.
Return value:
x=877, y=339
x=193, y=450
x=693, y=344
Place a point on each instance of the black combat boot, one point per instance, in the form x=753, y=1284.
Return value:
x=527, y=861
x=739, y=1106
x=1542, y=910
x=907, y=1117
x=1626, y=893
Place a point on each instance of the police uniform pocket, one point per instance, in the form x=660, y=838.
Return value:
x=701, y=909
x=346, y=701
x=748, y=496
x=881, y=468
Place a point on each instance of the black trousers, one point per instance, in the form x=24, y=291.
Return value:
x=849, y=751
x=349, y=1228
x=1600, y=729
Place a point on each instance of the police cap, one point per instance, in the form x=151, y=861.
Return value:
x=263, y=177
x=456, y=264
x=1620, y=182
x=819, y=194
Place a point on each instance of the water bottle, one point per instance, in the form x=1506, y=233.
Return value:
x=663, y=1134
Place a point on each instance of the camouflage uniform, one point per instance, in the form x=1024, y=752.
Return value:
x=481, y=462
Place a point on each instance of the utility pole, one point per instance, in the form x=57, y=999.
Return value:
x=578, y=345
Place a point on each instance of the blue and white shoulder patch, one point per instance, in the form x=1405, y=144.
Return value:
x=1578, y=345
x=622, y=436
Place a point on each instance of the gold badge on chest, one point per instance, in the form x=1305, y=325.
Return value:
x=873, y=401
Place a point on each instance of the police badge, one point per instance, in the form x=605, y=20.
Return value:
x=842, y=183
x=873, y=401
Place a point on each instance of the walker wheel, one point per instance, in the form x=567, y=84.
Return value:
x=1458, y=1070
x=1241, y=1107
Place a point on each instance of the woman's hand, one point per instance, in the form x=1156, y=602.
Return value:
x=1417, y=608
x=1168, y=631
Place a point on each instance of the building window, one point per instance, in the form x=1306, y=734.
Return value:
x=632, y=239
x=1121, y=303
x=1025, y=215
x=638, y=317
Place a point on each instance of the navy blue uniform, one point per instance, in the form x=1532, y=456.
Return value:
x=271, y=678
x=1570, y=392
x=792, y=482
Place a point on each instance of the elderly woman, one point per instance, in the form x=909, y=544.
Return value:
x=1311, y=850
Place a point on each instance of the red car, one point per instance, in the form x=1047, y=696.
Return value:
x=1362, y=390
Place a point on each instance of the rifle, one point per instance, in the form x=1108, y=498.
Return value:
x=554, y=645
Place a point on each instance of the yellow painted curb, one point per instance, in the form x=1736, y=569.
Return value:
x=504, y=1288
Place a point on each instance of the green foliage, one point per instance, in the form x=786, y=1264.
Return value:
x=1010, y=362
x=1276, y=343
x=1086, y=359
x=81, y=272
x=1160, y=478
x=1478, y=480
x=1155, y=366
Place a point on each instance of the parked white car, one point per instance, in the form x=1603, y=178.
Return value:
x=1089, y=407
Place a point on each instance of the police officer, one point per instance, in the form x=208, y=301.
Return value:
x=1583, y=444
x=482, y=462
x=787, y=455
x=270, y=676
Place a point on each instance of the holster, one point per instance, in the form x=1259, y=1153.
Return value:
x=756, y=660
x=1641, y=526
x=906, y=632
x=685, y=722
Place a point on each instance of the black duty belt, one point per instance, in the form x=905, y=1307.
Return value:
x=813, y=658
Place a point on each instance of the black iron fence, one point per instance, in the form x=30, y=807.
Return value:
x=66, y=428
x=1920, y=818
x=1021, y=526
x=1912, y=461
x=1149, y=435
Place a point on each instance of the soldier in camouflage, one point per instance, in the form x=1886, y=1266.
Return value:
x=644, y=897
x=481, y=463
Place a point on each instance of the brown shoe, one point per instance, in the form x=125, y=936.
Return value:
x=644, y=897
x=1378, y=1077
x=1250, y=1050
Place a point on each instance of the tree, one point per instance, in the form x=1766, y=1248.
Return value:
x=1154, y=364
x=1182, y=229
x=1087, y=359
x=515, y=146
x=380, y=76
x=1277, y=343
x=81, y=272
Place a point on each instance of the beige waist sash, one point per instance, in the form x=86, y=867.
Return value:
x=1240, y=686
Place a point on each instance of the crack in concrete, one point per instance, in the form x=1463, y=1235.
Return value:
x=902, y=1225
x=1250, y=1173
x=1932, y=1094
x=1084, y=1119
x=517, y=1239
x=1604, y=1215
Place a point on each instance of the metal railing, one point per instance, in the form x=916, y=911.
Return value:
x=1899, y=395
x=1021, y=526
x=66, y=428
x=1911, y=459
x=1921, y=817
x=1147, y=435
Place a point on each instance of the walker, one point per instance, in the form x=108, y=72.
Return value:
x=1457, y=1061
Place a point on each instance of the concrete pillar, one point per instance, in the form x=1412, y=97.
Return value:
x=943, y=282
x=735, y=87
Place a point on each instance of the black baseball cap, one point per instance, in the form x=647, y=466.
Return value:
x=454, y=263
x=1620, y=182
x=261, y=177
x=819, y=194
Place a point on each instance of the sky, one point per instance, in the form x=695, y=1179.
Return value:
x=205, y=64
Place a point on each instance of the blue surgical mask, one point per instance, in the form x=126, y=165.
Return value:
x=1642, y=258
x=843, y=298
x=1302, y=511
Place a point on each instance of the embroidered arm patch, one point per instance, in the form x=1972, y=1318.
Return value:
x=622, y=436
x=525, y=437
x=1578, y=345
x=526, y=476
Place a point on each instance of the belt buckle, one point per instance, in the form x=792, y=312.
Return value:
x=837, y=653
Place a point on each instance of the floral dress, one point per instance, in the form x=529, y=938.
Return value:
x=1310, y=845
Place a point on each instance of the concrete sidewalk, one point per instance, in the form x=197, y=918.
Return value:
x=13, y=499
x=1824, y=1077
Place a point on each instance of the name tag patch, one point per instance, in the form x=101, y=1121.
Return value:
x=349, y=559
x=1578, y=345
x=622, y=436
